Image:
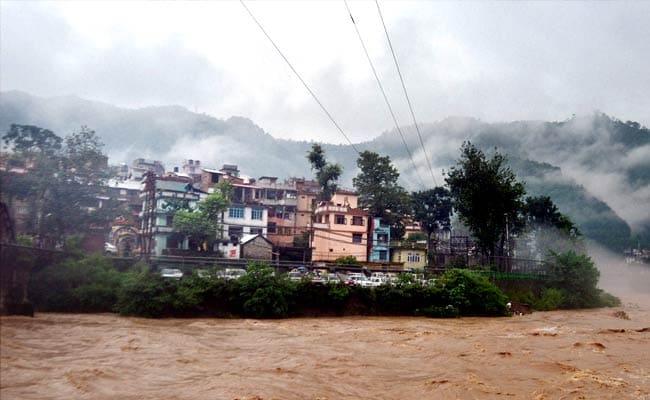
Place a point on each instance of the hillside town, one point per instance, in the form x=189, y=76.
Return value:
x=268, y=218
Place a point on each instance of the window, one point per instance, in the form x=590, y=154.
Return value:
x=383, y=255
x=170, y=220
x=236, y=212
x=357, y=237
x=237, y=231
x=257, y=231
x=357, y=221
x=339, y=219
x=257, y=213
x=413, y=257
x=271, y=227
x=382, y=238
x=174, y=242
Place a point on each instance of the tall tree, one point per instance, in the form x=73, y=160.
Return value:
x=61, y=184
x=487, y=197
x=29, y=141
x=85, y=161
x=327, y=174
x=379, y=191
x=542, y=211
x=432, y=208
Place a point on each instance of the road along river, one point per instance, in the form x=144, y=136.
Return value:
x=592, y=354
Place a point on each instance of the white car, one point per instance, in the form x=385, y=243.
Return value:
x=171, y=273
x=110, y=249
x=231, y=273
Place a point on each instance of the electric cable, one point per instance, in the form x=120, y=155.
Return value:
x=299, y=77
x=383, y=92
x=408, y=100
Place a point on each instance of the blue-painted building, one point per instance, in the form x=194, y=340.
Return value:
x=380, y=249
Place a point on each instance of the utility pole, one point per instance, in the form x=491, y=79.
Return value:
x=149, y=214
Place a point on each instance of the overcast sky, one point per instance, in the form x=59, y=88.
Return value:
x=497, y=61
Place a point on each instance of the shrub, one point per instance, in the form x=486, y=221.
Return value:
x=347, y=260
x=550, y=299
x=89, y=284
x=146, y=295
x=577, y=277
x=263, y=294
x=472, y=294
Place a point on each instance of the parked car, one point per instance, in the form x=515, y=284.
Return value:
x=231, y=273
x=295, y=275
x=171, y=273
x=110, y=249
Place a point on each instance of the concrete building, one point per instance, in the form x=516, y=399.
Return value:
x=139, y=166
x=340, y=229
x=252, y=247
x=380, y=246
x=413, y=255
x=280, y=200
x=168, y=190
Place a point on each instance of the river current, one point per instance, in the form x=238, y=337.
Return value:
x=547, y=355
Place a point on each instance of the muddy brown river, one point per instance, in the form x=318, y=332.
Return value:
x=593, y=354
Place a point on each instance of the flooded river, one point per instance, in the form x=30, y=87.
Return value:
x=554, y=355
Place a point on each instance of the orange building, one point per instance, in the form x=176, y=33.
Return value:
x=340, y=229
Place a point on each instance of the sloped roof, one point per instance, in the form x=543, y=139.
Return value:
x=250, y=237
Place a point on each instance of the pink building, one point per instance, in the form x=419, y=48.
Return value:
x=340, y=229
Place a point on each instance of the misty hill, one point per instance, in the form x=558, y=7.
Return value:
x=596, y=168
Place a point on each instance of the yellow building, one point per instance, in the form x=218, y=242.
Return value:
x=412, y=254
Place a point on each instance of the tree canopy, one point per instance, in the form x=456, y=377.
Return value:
x=379, y=191
x=432, y=208
x=63, y=182
x=327, y=174
x=487, y=197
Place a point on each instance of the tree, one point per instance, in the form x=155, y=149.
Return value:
x=487, y=197
x=194, y=225
x=547, y=229
x=379, y=191
x=28, y=141
x=203, y=223
x=432, y=208
x=327, y=174
x=542, y=211
x=85, y=163
x=63, y=182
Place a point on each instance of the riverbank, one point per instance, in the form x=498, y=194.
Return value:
x=546, y=355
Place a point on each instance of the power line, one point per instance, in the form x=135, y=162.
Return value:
x=381, y=87
x=406, y=93
x=299, y=77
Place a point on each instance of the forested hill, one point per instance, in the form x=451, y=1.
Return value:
x=596, y=168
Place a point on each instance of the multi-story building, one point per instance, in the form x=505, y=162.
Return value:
x=139, y=166
x=192, y=168
x=307, y=191
x=380, y=245
x=412, y=254
x=169, y=190
x=340, y=229
x=280, y=200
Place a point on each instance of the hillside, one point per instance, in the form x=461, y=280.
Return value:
x=596, y=168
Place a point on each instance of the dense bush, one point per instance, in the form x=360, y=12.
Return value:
x=76, y=285
x=472, y=294
x=92, y=284
x=263, y=294
x=573, y=284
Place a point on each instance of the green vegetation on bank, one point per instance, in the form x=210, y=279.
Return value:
x=573, y=285
x=92, y=284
